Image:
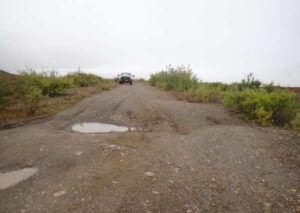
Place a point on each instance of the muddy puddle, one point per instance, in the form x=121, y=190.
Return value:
x=100, y=128
x=9, y=179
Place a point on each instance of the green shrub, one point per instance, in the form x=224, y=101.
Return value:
x=26, y=82
x=51, y=86
x=249, y=83
x=33, y=87
x=278, y=107
x=81, y=79
x=179, y=79
x=219, y=86
x=207, y=93
x=33, y=98
x=266, y=104
x=56, y=86
x=263, y=116
x=271, y=87
x=4, y=90
x=296, y=122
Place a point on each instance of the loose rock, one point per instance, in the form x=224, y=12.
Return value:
x=59, y=193
x=150, y=174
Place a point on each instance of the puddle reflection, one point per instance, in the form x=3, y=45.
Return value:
x=100, y=128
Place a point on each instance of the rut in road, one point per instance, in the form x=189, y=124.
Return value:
x=184, y=157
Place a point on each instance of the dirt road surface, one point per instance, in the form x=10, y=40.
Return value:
x=184, y=157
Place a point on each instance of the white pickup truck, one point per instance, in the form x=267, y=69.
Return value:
x=125, y=78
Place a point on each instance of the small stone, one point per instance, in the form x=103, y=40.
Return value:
x=188, y=211
x=114, y=182
x=267, y=204
x=59, y=193
x=150, y=174
x=177, y=169
x=171, y=181
x=78, y=153
x=186, y=206
x=155, y=192
x=213, y=179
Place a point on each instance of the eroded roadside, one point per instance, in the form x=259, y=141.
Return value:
x=184, y=157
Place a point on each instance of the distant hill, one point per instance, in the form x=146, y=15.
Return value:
x=294, y=89
x=8, y=76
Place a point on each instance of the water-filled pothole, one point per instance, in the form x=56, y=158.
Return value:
x=100, y=128
x=9, y=179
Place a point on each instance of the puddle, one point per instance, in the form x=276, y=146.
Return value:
x=100, y=128
x=9, y=179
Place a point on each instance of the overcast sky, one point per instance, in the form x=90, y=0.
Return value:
x=220, y=39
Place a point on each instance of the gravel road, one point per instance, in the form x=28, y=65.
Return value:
x=182, y=157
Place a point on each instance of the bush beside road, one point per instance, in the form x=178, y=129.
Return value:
x=33, y=95
x=266, y=104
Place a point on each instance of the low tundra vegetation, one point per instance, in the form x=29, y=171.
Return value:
x=296, y=122
x=179, y=79
x=48, y=84
x=41, y=92
x=278, y=107
x=81, y=79
x=266, y=104
x=4, y=92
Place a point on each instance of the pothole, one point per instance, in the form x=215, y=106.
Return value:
x=9, y=179
x=100, y=128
